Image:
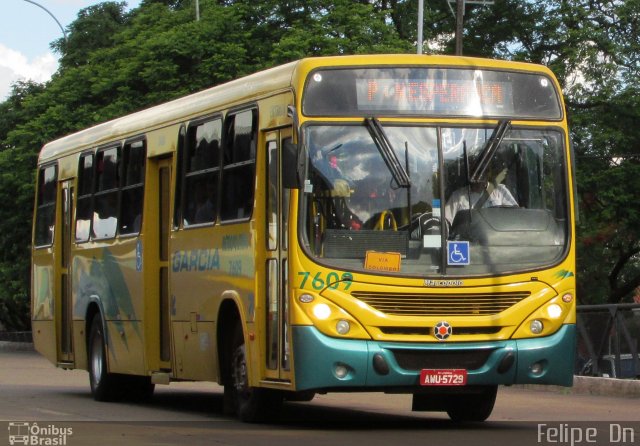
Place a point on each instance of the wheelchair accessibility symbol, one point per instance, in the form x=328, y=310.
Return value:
x=458, y=253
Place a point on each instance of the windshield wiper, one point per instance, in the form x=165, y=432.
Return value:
x=381, y=140
x=489, y=149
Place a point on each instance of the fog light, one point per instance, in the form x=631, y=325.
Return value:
x=554, y=311
x=341, y=371
x=536, y=326
x=537, y=368
x=322, y=311
x=567, y=298
x=343, y=327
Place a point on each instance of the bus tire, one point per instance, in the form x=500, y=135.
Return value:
x=473, y=407
x=252, y=404
x=105, y=386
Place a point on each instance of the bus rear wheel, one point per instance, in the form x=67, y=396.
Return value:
x=252, y=404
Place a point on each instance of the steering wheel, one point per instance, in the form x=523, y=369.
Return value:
x=386, y=221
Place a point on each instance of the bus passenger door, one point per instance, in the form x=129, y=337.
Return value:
x=156, y=223
x=164, y=197
x=64, y=303
x=278, y=343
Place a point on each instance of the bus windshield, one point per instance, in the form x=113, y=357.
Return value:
x=512, y=218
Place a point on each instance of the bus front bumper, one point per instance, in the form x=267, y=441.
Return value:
x=325, y=363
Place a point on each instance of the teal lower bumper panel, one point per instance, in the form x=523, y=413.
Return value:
x=322, y=362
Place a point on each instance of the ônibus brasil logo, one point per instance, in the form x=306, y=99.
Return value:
x=442, y=330
x=32, y=434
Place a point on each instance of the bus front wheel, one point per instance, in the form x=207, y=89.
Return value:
x=473, y=407
x=252, y=404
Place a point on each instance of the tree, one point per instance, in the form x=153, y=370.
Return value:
x=337, y=27
x=12, y=110
x=94, y=28
x=605, y=101
x=16, y=191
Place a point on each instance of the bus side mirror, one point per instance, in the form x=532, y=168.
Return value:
x=291, y=171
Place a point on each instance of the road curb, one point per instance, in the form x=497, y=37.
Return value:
x=7, y=346
x=590, y=385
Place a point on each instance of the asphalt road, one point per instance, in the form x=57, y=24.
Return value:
x=54, y=406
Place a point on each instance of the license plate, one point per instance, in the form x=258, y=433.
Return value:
x=443, y=377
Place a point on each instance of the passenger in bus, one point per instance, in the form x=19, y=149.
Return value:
x=334, y=190
x=205, y=210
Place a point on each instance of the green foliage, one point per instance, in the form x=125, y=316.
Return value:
x=16, y=178
x=94, y=28
x=115, y=62
x=605, y=103
x=609, y=247
x=338, y=27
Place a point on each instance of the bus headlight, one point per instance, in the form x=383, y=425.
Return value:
x=328, y=317
x=322, y=311
x=554, y=311
x=548, y=318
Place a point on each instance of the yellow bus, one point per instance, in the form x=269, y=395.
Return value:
x=392, y=223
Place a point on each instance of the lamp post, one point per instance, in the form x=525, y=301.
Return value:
x=64, y=33
x=459, y=26
x=420, y=24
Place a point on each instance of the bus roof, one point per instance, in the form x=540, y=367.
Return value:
x=241, y=90
x=168, y=113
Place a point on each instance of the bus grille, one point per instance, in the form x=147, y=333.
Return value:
x=414, y=304
x=453, y=359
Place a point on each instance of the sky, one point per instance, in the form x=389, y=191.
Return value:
x=26, y=31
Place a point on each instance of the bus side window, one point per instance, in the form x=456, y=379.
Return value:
x=105, y=217
x=272, y=195
x=238, y=176
x=178, y=198
x=134, y=155
x=84, y=208
x=202, y=170
x=46, y=207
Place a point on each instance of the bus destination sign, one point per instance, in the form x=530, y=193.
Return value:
x=429, y=91
x=460, y=96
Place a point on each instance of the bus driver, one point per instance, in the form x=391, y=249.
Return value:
x=482, y=194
